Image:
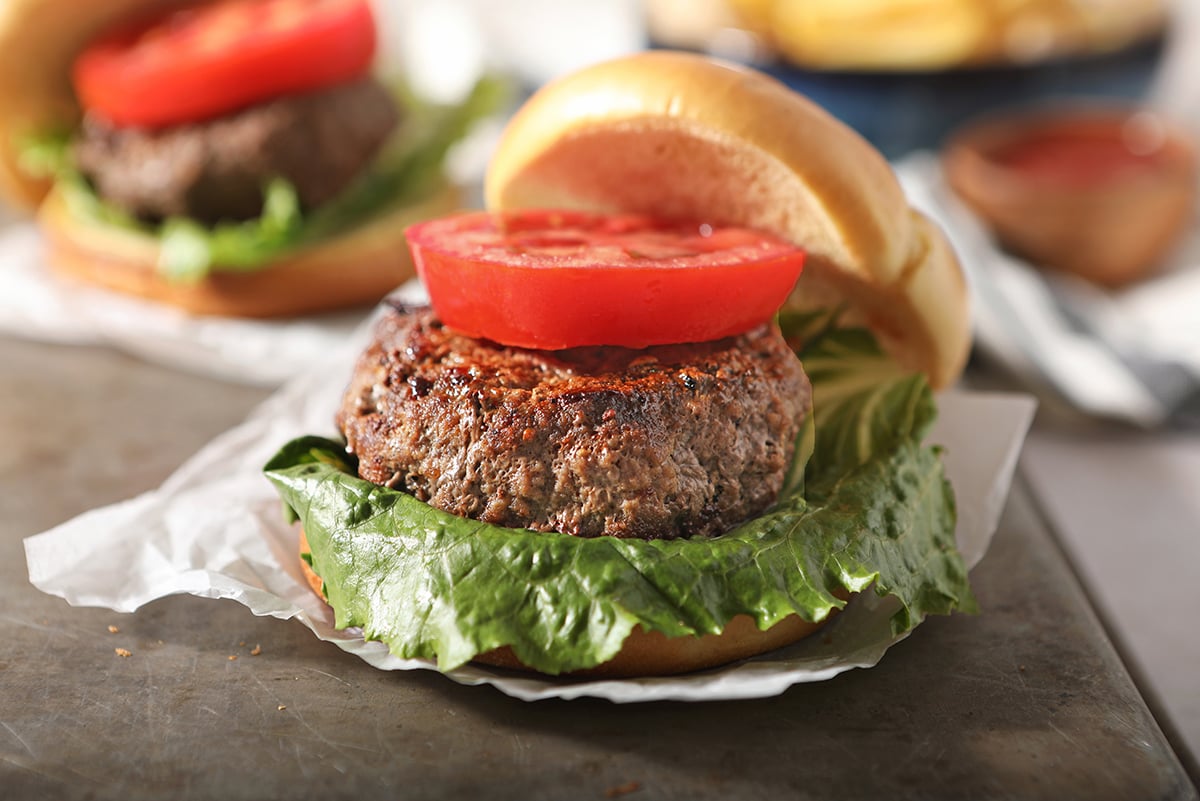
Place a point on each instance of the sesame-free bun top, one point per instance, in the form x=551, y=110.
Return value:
x=682, y=136
x=39, y=40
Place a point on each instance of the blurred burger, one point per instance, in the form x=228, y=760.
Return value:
x=603, y=448
x=232, y=157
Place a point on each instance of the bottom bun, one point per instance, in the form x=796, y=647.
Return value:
x=356, y=268
x=651, y=653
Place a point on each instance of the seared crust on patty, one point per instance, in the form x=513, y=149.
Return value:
x=671, y=441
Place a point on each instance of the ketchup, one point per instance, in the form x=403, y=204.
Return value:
x=1080, y=158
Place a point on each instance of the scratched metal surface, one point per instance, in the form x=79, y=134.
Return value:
x=1025, y=701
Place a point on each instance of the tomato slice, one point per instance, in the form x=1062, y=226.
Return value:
x=564, y=279
x=198, y=62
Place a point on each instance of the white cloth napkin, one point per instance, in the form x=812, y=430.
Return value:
x=1132, y=355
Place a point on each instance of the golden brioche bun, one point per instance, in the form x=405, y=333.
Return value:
x=355, y=268
x=682, y=136
x=913, y=35
x=650, y=653
x=39, y=39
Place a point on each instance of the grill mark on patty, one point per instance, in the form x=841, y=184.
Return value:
x=671, y=441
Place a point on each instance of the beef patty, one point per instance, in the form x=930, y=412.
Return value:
x=670, y=441
x=319, y=141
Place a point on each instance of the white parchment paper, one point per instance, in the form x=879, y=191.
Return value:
x=36, y=304
x=215, y=529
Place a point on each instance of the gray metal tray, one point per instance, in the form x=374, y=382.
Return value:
x=1027, y=700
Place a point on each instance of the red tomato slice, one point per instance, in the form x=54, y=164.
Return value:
x=203, y=61
x=562, y=279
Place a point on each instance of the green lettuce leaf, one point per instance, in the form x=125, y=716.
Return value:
x=409, y=168
x=863, y=401
x=189, y=251
x=44, y=155
x=873, y=509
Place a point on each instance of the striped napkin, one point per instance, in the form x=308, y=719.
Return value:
x=1132, y=355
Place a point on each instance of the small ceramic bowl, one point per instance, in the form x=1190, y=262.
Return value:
x=1101, y=193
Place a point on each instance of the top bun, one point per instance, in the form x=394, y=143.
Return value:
x=682, y=136
x=39, y=40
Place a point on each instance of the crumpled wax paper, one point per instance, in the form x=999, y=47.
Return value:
x=215, y=529
x=39, y=305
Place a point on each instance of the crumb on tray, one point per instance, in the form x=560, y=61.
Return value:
x=622, y=789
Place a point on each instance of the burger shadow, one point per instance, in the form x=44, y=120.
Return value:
x=861, y=728
x=1023, y=700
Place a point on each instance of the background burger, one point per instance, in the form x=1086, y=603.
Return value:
x=598, y=450
x=233, y=157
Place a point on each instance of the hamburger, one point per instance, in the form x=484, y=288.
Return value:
x=624, y=439
x=199, y=155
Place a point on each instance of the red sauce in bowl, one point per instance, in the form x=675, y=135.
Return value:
x=1085, y=155
x=1066, y=160
x=1101, y=193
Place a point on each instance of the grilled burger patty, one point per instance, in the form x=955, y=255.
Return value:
x=319, y=141
x=670, y=441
